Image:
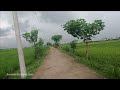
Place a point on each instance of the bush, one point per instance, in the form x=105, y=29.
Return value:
x=49, y=44
x=38, y=47
x=56, y=45
x=67, y=48
x=73, y=45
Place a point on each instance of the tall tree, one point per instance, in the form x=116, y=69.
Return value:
x=81, y=29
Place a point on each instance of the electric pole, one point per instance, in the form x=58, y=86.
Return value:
x=19, y=44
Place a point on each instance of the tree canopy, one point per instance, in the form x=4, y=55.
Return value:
x=31, y=37
x=56, y=38
x=81, y=29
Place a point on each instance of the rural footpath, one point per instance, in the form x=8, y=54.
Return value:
x=59, y=65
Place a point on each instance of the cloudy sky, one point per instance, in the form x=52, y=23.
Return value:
x=49, y=23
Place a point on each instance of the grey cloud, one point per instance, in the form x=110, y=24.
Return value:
x=8, y=43
x=7, y=16
x=24, y=26
x=4, y=31
x=57, y=16
x=50, y=23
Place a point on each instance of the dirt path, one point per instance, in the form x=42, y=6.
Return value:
x=59, y=65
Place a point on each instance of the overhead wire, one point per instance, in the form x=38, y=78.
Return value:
x=45, y=35
x=53, y=33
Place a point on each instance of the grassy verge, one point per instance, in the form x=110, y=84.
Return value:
x=10, y=63
x=104, y=57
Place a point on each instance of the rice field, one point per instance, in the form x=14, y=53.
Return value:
x=104, y=57
x=9, y=62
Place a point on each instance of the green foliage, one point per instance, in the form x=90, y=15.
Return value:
x=34, y=36
x=49, y=44
x=31, y=37
x=57, y=39
x=56, y=45
x=38, y=45
x=104, y=57
x=73, y=44
x=66, y=48
x=27, y=37
x=81, y=29
x=9, y=62
x=38, y=48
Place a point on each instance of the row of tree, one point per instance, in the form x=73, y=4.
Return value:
x=108, y=39
x=77, y=28
x=38, y=43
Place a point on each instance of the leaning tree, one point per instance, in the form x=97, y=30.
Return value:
x=81, y=29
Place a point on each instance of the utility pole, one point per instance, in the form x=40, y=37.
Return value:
x=19, y=44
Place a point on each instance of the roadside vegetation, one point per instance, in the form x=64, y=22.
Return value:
x=104, y=57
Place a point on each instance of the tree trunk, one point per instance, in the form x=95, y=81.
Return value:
x=87, y=50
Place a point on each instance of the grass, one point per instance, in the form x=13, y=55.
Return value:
x=104, y=57
x=9, y=63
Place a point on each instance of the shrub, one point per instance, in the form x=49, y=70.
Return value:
x=73, y=45
x=67, y=48
x=38, y=47
x=49, y=44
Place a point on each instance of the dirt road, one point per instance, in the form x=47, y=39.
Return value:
x=59, y=65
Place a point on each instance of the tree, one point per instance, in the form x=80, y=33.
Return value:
x=56, y=39
x=73, y=45
x=38, y=48
x=49, y=44
x=31, y=37
x=81, y=29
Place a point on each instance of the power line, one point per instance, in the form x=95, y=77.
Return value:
x=46, y=32
x=46, y=37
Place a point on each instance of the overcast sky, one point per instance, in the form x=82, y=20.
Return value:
x=49, y=23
